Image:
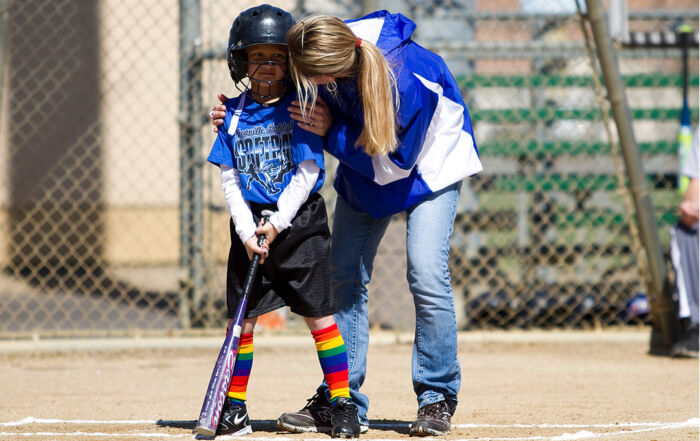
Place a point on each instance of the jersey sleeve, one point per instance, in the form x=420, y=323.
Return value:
x=303, y=183
x=221, y=151
x=238, y=207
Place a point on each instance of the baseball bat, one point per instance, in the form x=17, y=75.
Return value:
x=223, y=369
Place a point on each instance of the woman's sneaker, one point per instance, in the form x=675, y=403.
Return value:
x=234, y=419
x=433, y=419
x=346, y=423
x=316, y=416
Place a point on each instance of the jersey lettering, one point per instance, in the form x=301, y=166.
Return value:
x=264, y=155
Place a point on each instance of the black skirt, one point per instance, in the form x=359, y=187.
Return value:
x=295, y=273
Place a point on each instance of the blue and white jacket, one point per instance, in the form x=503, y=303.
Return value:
x=436, y=141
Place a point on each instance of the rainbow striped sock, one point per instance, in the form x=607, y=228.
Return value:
x=334, y=361
x=244, y=362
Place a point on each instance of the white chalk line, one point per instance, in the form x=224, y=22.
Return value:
x=32, y=420
x=568, y=426
x=580, y=435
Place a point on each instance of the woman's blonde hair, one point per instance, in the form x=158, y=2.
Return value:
x=324, y=45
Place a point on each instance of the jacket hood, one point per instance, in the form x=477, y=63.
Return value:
x=385, y=30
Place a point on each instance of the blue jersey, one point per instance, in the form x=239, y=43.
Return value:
x=436, y=141
x=265, y=147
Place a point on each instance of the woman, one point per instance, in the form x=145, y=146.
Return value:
x=404, y=141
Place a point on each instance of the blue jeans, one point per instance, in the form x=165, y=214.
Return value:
x=354, y=242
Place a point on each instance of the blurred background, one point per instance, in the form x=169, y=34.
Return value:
x=113, y=223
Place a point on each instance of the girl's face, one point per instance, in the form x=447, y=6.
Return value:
x=267, y=62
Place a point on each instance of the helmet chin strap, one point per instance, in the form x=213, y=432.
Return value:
x=243, y=87
x=270, y=86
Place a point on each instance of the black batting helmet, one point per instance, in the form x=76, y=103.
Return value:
x=262, y=24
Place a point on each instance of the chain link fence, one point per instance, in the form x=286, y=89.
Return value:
x=112, y=223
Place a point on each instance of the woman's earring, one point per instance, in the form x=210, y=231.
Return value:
x=332, y=87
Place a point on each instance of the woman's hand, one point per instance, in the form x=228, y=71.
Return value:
x=318, y=122
x=218, y=113
x=251, y=247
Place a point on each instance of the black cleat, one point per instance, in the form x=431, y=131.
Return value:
x=234, y=419
x=346, y=423
x=433, y=419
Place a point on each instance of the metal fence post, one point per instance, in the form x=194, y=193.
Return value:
x=4, y=6
x=660, y=291
x=191, y=180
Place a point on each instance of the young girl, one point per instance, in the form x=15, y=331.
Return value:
x=268, y=163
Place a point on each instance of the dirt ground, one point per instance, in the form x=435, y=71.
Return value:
x=515, y=386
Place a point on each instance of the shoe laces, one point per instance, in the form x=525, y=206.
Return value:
x=434, y=410
x=314, y=401
x=345, y=410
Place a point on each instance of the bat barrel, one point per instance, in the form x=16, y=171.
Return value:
x=205, y=430
x=218, y=383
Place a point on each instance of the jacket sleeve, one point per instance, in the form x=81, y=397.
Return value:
x=340, y=142
x=417, y=104
x=416, y=108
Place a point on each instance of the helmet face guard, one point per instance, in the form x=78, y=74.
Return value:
x=262, y=24
x=261, y=88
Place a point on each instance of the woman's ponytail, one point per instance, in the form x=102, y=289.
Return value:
x=323, y=45
x=377, y=86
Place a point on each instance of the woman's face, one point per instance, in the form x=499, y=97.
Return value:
x=321, y=79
